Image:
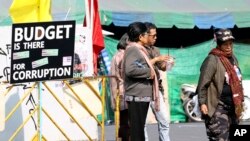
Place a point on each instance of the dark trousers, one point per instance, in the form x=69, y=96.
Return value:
x=137, y=118
x=124, y=126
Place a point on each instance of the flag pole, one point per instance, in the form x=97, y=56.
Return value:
x=87, y=13
x=91, y=16
x=69, y=9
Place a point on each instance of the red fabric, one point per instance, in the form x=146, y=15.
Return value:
x=234, y=81
x=98, y=41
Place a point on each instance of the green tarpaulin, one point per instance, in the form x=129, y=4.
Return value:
x=186, y=69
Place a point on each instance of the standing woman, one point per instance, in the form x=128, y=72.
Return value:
x=219, y=88
x=140, y=82
x=116, y=84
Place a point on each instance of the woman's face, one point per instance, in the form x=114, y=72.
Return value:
x=143, y=39
x=227, y=47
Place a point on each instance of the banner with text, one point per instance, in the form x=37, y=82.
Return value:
x=83, y=67
x=42, y=51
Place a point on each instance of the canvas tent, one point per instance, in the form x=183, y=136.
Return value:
x=181, y=13
x=164, y=13
x=181, y=23
x=182, y=16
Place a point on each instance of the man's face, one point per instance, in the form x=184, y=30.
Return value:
x=152, y=36
x=227, y=47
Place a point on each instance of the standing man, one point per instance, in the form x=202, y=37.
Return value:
x=219, y=88
x=159, y=63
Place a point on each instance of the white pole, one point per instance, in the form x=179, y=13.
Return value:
x=92, y=16
x=87, y=14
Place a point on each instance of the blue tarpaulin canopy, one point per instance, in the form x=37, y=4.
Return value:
x=180, y=13
x=164, y=13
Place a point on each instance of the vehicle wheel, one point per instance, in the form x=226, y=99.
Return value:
x=192, y=113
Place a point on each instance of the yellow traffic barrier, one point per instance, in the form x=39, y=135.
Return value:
x=39, y=108
x=117, y=115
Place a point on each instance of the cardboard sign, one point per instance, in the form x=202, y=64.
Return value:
x=42, y=51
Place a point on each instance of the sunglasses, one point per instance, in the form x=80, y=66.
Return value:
x=154, y=35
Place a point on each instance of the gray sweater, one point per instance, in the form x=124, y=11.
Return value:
x=136, y=74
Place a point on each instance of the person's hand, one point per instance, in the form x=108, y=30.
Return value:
x=204, y=109
x=162, y=58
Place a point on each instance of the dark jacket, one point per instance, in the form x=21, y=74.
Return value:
x=210, y=85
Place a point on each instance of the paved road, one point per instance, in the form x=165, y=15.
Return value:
x=178, y=132
x=192, y=131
